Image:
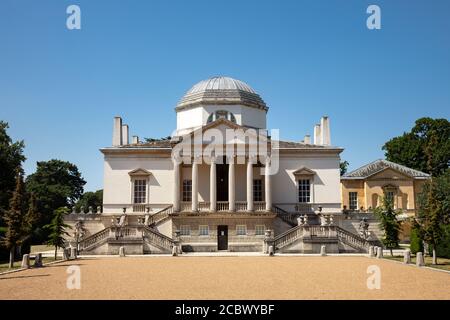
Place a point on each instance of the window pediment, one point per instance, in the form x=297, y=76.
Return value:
x=139, y=173
x=304, y=171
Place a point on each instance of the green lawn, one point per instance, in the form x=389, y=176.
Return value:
x=4, y=265
x=443, y=263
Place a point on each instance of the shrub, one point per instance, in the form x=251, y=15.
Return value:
x=416, y=243
x=443, y=248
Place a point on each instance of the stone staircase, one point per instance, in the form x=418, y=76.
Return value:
x=340, y=236
x=140, y=237
x=160, y=216
x=315, y=236
x=291, y=217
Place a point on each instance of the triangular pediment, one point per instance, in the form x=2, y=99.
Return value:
x=139, y=172
x=304, y=171
x=389, y=174
x=379, y=166
x=223, y=125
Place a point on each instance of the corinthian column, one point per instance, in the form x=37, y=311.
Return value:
x=212, y=185
x=268, y=188
x=176, y=184
x=250, y=184
x=231, y=185
x=194, y=185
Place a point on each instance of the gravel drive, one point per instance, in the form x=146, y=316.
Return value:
x=295, y=277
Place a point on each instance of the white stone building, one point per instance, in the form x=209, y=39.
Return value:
x=206, y=190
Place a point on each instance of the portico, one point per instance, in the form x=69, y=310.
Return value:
x=225, y=179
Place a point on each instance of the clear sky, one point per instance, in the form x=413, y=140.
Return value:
x=60, y=88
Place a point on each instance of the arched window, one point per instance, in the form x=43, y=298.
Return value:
x=221, y=114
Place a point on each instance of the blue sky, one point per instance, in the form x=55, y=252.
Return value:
x=60, y=89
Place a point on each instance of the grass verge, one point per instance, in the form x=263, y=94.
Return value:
x=443, y=263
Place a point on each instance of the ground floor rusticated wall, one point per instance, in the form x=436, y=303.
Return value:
x=236, y=233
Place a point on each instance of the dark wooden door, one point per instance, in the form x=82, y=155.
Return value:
x=222, y=237
x=222, y=182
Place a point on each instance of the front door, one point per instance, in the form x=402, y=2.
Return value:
x=222, y=237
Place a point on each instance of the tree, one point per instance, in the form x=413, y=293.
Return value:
x=11, y=158
x=14, y=218
x=416, y=242
x=90, y=199
x=434, y=210
x=57, y=229
x=343, y=165
x=56, y=184
x=410, y=149
x=32, y=216
x=389, y=224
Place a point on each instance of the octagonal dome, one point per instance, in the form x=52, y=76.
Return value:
x=221, y=91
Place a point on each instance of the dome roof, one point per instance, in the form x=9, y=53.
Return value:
x=221, y=90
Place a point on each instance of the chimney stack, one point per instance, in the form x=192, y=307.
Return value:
x=135, y=140
x=317, y=131
x=325, y=128
x=125, y=135
x=117, y=132
x=307, y=139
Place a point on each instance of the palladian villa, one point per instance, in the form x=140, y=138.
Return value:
x=224, y=181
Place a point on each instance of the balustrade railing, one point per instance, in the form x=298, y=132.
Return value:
x=222, y=206
x=186, y=206
x=204, y=206
x=160, y=215
x=241, y=205
x=320, y=231
x=158, y=239
x=290, y=218
x=287, y=237
x=353, y=240
x=95, y=238
x=139, y=207
x=305, y=232
x=259, y=206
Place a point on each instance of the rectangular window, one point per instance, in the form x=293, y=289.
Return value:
x=185, y=230
x=187, y=190
x=140, y=191
x=241, y=230
x=203, y=230
x=353, y=200
x=260, y=229
x=257, y=190
x=304, y=191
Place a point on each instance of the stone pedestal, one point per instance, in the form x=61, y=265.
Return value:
x=66, y=254
x=407, y=256
x=26, y=261
x=420, y=262
x=38, y=260
x=323, y=251
x=73, y=253
x=371, y=251
x=122, y=251
x=379, y=252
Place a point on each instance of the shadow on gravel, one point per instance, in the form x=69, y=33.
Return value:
x=20, y=277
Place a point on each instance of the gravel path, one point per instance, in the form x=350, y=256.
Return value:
x=227, y=278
